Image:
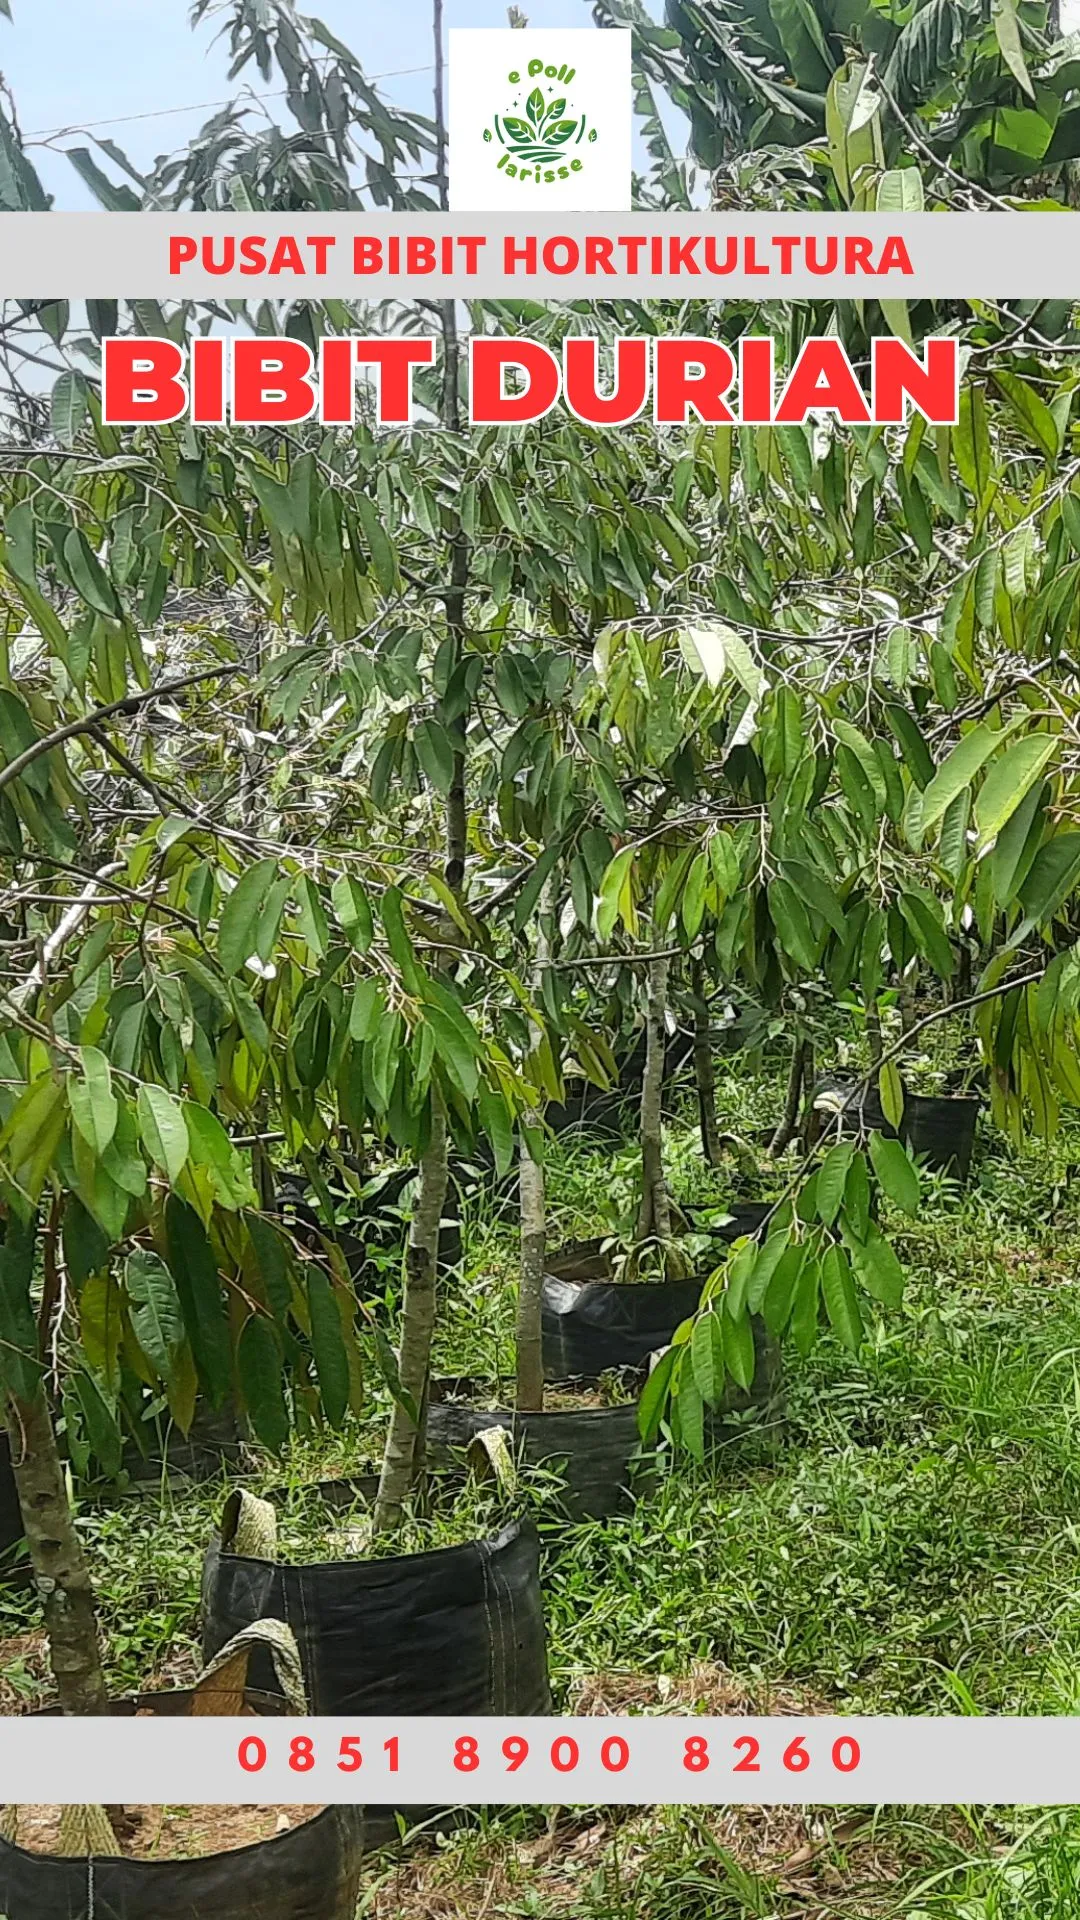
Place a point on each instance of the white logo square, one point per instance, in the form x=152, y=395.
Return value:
x=540, y=117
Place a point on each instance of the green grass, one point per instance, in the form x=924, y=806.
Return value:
x=904, y=1537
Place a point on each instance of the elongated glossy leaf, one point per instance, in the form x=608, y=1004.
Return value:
x=328, y=1344
x=241, y=913
x=654, y=1394
x=739, y=1348
x=199, y=1287
x=258, y=1365
x=163, y=1129
x=831, y=1179
x=707, y=1357
x=878, y=1268
x=841, y=1299
x=155, y=1311
x=899, y=1179
x=1008, y=780
x=94, y=1107
x=958, y=771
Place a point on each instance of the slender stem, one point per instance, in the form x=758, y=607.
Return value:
x=417, y=1325
x=704, y=1071
x=655, y=1216
x=60, y=1571
x=533, y=1201
x=798, y=1077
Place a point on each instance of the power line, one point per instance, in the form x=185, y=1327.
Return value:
x=196, y=106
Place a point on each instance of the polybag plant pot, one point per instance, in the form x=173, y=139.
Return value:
x=938, y=1127
x=458, y=1631
x=212, y=1445
x=595, y=1325
x=592, y=1324
x=310, y=1873
x=595, y=1450
x=941, y=1130
x=13, y=1568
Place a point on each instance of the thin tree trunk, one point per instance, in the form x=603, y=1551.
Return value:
x=60, y=1572
x=873, y=1034
x=654, y=1218
x=533, y=1209
x=704, y=1072
x=798, y=1078
x=417, y=1324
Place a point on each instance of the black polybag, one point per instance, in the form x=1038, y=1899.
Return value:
x=458, y=1632
x=310, y=1873
x=594, y=1449
x=11, y=1520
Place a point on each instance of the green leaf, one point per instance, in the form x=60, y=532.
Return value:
x=689, y=1415
x=20, y=1370
x=199, y=1287
x=454, y=1047
x=891, y=1090
x=102, y=1430
x=911, y=743
x=725, y=862
x=805, y=1306
x=163, y=1129
x=971, y=442
x=856, y=1208
x=258, y=1365
x=612, y=888
x=1008, y=780
x=367, y=1009
x=900, y=190
x=209, y=1146
x=766, y=1261
x=155, y=1312
x=780, y=1292
x=1054, y=873
x=435, y=752
x=1032, y=412
x=924, y=916
x=353, y=910
x=878, y=1268
x=271, y=1264
x=958, y=771
x=654, y=1394
x=792, y=924
x=1017, y=845
x=693, y=897
x=240, y=915
x=68, y=407
x=88, y=575
x=328, y=1344
x=841, y=1299
x=831, y=1179
x=707, y=1357
x=739, y=1348
x=93, y=1103
x=1007, y=30
x=898, y=1178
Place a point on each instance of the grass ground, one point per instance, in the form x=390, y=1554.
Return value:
x=903, y=1538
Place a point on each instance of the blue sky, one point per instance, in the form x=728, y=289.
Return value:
x=71, y=62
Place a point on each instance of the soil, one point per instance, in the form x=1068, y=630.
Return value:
x=172, y=1833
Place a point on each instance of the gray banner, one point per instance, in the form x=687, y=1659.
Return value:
x=164, y=256
x=664, y=1761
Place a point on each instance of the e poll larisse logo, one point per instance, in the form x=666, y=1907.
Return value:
x=539, y=117
x=539, y=139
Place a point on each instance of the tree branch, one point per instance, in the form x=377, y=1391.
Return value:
x=91, y=720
